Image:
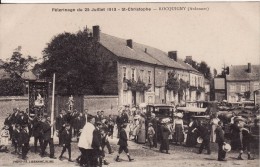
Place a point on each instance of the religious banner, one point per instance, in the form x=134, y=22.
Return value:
x=38, y=98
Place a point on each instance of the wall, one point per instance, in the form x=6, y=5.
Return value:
x=160, y=79
x=109, y=104
x=125, y=96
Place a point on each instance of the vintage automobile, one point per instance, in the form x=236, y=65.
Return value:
x=161, y=111
x=189, y=112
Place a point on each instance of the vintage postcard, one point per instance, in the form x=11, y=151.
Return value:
x=130, y=84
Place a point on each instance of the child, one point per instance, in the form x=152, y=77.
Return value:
x=4, y=138
x=24, y=141
x=66, y=141
x=150, y=133
x=123, y=143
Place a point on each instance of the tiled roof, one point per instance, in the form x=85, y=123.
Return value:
x=240, y=73
x=29, y=75
x=119, y=48
x=152, y=55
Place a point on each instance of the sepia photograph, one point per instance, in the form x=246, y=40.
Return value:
x=130, y=84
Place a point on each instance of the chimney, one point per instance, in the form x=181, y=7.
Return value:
x=96, y=33
x=249, y=68
x=145, y=50
x=172, y=55
x=129, y=43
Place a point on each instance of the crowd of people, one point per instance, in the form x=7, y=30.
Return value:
x=149, y=130
x=93, y=132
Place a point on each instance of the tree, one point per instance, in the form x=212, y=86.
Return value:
x=79, y=65
x=201, y=67
x=15, y=66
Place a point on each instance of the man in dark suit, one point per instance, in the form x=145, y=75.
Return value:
x=37, y=132
x=96, y=145
x=23, y=119
x=204, y=132
x=16, y=138
x=123, y=143
x=24, y=141
x=98, y=117
x=66, y=142
x=221, y=141
x=47, y=137
x=60, y=124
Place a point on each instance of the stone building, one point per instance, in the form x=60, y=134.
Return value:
x=242, y=80
x=140, y=72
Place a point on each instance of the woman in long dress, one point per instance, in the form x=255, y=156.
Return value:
x=178, y=127
x=141, y=133
x=192, y=137
x=214, y=123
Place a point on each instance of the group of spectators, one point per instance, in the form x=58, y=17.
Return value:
x=243, y=133
x=93, y=133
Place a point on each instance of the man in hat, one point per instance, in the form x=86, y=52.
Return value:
x=60, y=124
x=123, y=143
x=98, y=154
x=245, y=143
x=165, y=131
x=204, y=132
x=37, y=132
x=66, y=141
x=221, y=141
x=154, y=123
x=24, y=140
x=47, y=137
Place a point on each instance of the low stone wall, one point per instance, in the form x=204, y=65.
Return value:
x=109, y=104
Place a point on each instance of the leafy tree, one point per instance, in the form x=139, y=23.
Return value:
x=201, y=67
x=79, y=65
x=17, y=64
x=15, y=67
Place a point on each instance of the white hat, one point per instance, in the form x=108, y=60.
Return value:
x=199, y=140
x=226, y=147
x=165, y=120
x=179, y=115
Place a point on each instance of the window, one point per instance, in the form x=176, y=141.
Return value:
x=232, y=88
x=133, y=74
x=142, y=75
x=243, y=88
x=124, y=73
x=149, y=77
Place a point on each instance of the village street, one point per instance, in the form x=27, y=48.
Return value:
x=180, y=156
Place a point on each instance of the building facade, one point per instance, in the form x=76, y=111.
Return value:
x=242, y=81
x=142, y=71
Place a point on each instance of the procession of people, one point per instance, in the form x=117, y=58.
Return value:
x=92, y=134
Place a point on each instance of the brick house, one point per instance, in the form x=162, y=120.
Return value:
x=150, y=66
x=241, y=79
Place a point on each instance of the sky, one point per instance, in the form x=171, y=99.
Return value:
x=225, y=33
